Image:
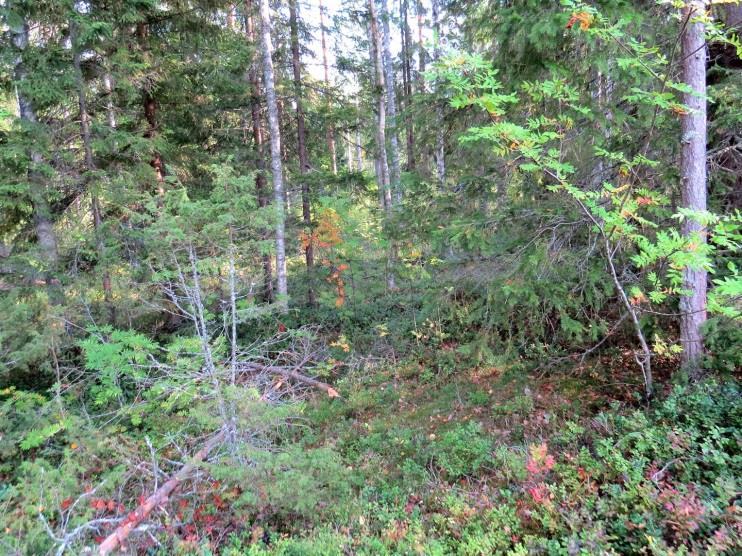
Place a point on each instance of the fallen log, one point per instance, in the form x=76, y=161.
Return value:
x=291, y=373
x=160, y=496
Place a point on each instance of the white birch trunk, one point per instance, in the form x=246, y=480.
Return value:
x=391, y=104
x=276, y=163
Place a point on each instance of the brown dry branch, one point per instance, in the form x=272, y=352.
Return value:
x=294, y=374
x=159, y=497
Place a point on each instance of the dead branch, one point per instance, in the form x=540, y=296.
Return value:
x=160, y=496
x=292, y=373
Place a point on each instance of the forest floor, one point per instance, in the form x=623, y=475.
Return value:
x=493, y=460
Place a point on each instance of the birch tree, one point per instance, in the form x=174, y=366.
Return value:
x=391, y=104
x=381, y=111
x=383, y=164
x=440, y=139
x=276, y=163
x=253, y=76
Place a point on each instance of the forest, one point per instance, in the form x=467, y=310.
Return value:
x=370, y=277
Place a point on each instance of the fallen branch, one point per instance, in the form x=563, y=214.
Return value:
x=290, y=373
x=160, y=496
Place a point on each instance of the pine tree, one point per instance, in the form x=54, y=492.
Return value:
x=693, y=177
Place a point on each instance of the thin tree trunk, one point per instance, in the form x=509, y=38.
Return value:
x=232, y=17
x=383, y=166
x=257, y=133
x=424, y=152
x=43, y=226
x=302, y=147
x=693, y=178
x=149, y=104
x=359, y=148
x=407, y=82
x=331, y=147
x=440, y=139
x=349, y=152
x=108, y=88
x=645, y=359
x=391, y=106
x=383, y=177
x=420, y=47
x=276, y=164
x=89, y=167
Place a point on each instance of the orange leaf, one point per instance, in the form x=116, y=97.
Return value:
x=332, y=393
x=583, y=18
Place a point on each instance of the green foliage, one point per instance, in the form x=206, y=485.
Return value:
x=462, y=450
x=119, y=357
x=456, y=430
x=723, y=337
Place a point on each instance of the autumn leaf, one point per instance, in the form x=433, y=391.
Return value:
x=332, y=393
x=583, y=18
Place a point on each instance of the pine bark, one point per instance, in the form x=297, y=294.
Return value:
x=276, y=163
x=302, y=145
x=693, y=178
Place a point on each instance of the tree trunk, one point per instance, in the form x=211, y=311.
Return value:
x=420, y=47
x=693, y=178
x=424, y=153
x=43, y=226
x=440, y=138
x=407, y=82
x=359, y=137
x=383, y=176
x=331, y=147
x=149, y=104
x=391, y=106
x=302, y=146
x=108, y=88
x=383, y=165
x=276, y=164
x=257, y=133
x=89, y=167
x=733, y=15
x=349, y=151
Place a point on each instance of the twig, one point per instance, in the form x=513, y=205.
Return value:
x=292, y=373
x=115, y=539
